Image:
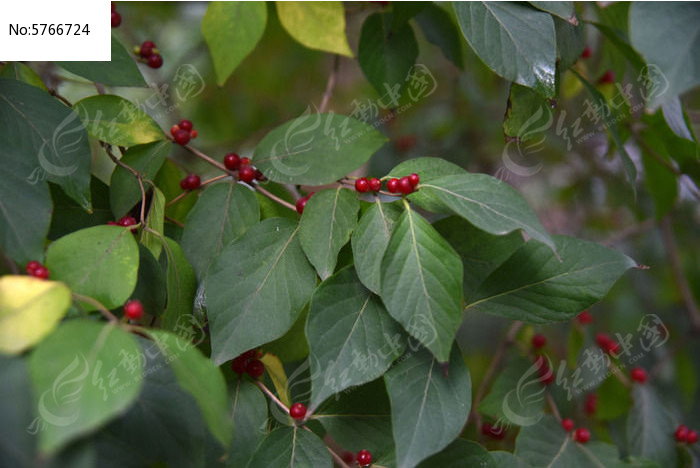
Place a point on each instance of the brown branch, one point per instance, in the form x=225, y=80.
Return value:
x=272, y=396
x=274, y=197
x=328, y=93
x=174, y=221
x=553, y=406
x=55, y=94
x=135, y=173
x=98, y=305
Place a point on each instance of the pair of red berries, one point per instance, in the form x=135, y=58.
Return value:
x=581, y=435
x=363, y=185
x=191, y=182
x=183, y=132
x=685, y=435
x=301, y=203
x=404, y=185
x=363, y=457
x=133, y=309
x=37, y=270
x=116, y=17
x=148, y=52
x=246, y=172
x=607, y=344
x=124, y=221
x=249, y=363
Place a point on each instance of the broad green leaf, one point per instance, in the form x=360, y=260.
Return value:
x=154, y=222
x=536, y=287
x=316, y=149
x=329, y=218
x=30, y=309
x=292, y=346
x=564, y=10
x=352, y=338
x=168, y=181
x=124, y=187
x=440, y=30
x=316, y=25
x=249, y=411
x=120, y=71
x=613, y=400
x=100, y=262
x=117, y=121
x=655, y=25
x=661, y=182
x=370, y=240
x=488, y=203
x=232, y=30
x=619, y=39
x=571, y=41
x=18, y=446
x=80, y=380
x=528, y=116
x=515, y=41
x=222, y=214
x=256, y=288
x=386, y=54
x=650, y=427
x=460, y=453
x=507, y=460
x=429, y=404
x=199, y=377
x=20, y=72
x=287, y=447
x=480, y=251
x=181, y=286
x=421, y=283
x=402, y=12
x=151, y=288
x=68, y=216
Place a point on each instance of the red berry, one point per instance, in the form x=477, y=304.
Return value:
x=603, y=340
x=585, y=317
x=393, y=185
x=238, y=365
x=607, y=77
x=681, y=433
x=184, y=123
x=414, y=179
x=174, y=129
x=146, y=49
x=495, y=432
x=538, y=341
x=405, y=143
x=133, y=309
x=545, y=372
x=582, y=435
x=362, y=185
x=364, y=458
x=255, y=368
x=232, y=161
x=246, y=174
x=191, y=182
x=31, y=266
x=245, y=161
x=259, y=176
x=586, y=53
x=375, y=184
x=297, y=411
x=405, y=186
x=181, y=137
x=194, y=134
x=127, y=221
x=41, y=272
x=155, y=61
x=591, y=404
x=692, y=437
x=301, y=203
x=613, y=348
x=638, y=374
x=116, y=19
x=567, y=424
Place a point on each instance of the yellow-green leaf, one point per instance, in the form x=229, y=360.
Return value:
x=316, y=25
x=275, y=370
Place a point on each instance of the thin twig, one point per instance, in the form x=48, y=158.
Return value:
x=272, y=396
x=206, y=158
x=553, y=406
x=100, y=89
x=330, y=85
x=174, y=221
x=274, y=197
x=97, y=304
x=614, y=370
x=135, y=173
x=187, y=192
x=55, y=94
x=336, y=457
x=650, y=151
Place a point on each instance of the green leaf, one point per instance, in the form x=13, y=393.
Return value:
x=30, y=309
x=256, y=288
x=181, y=286
x=232, y=30
x=168, y=181
x=249, y=411
x=536, y=287
x=154, y=222
x=80, y=381
x=151, y=288
x=429, y=405
x=120, y=71
x=507, y=460
x=100, y=262
x=613, y=400
x=222, y=214
x=292, y=346
x=116, y=121
x=68, y=216
x=571, y=42
x=488, y=203
x=386, y=53
x=289, y=447
x=370, y=240
x=402, y=12
x=316, y=25
x=655, y=25
x=564, y=10
x=20, y=72
x=619, y=39
x=676, y=118
x=528, y=116
x=329, y=218
x=460, y=453
x=421, y=283
x=16, y=411
x=440, y=30
x=515, y=41
x=124, y=187
x=316, y=149
x=352, y=338
x=658, y=178
x=650, y=428
x=199, y=377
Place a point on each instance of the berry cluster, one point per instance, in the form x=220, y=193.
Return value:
x=116, y=17
x=607, y=344
x=37, y=270
x=133, y=309
x=190, y=182
x=249, y=363
x=301, y=203
x=246, y=172
x=580, y=435
x=124, y=221
x=148, y=53
x=404, y=185
x=685, y=435
x=363, y=185
x=183, y=132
